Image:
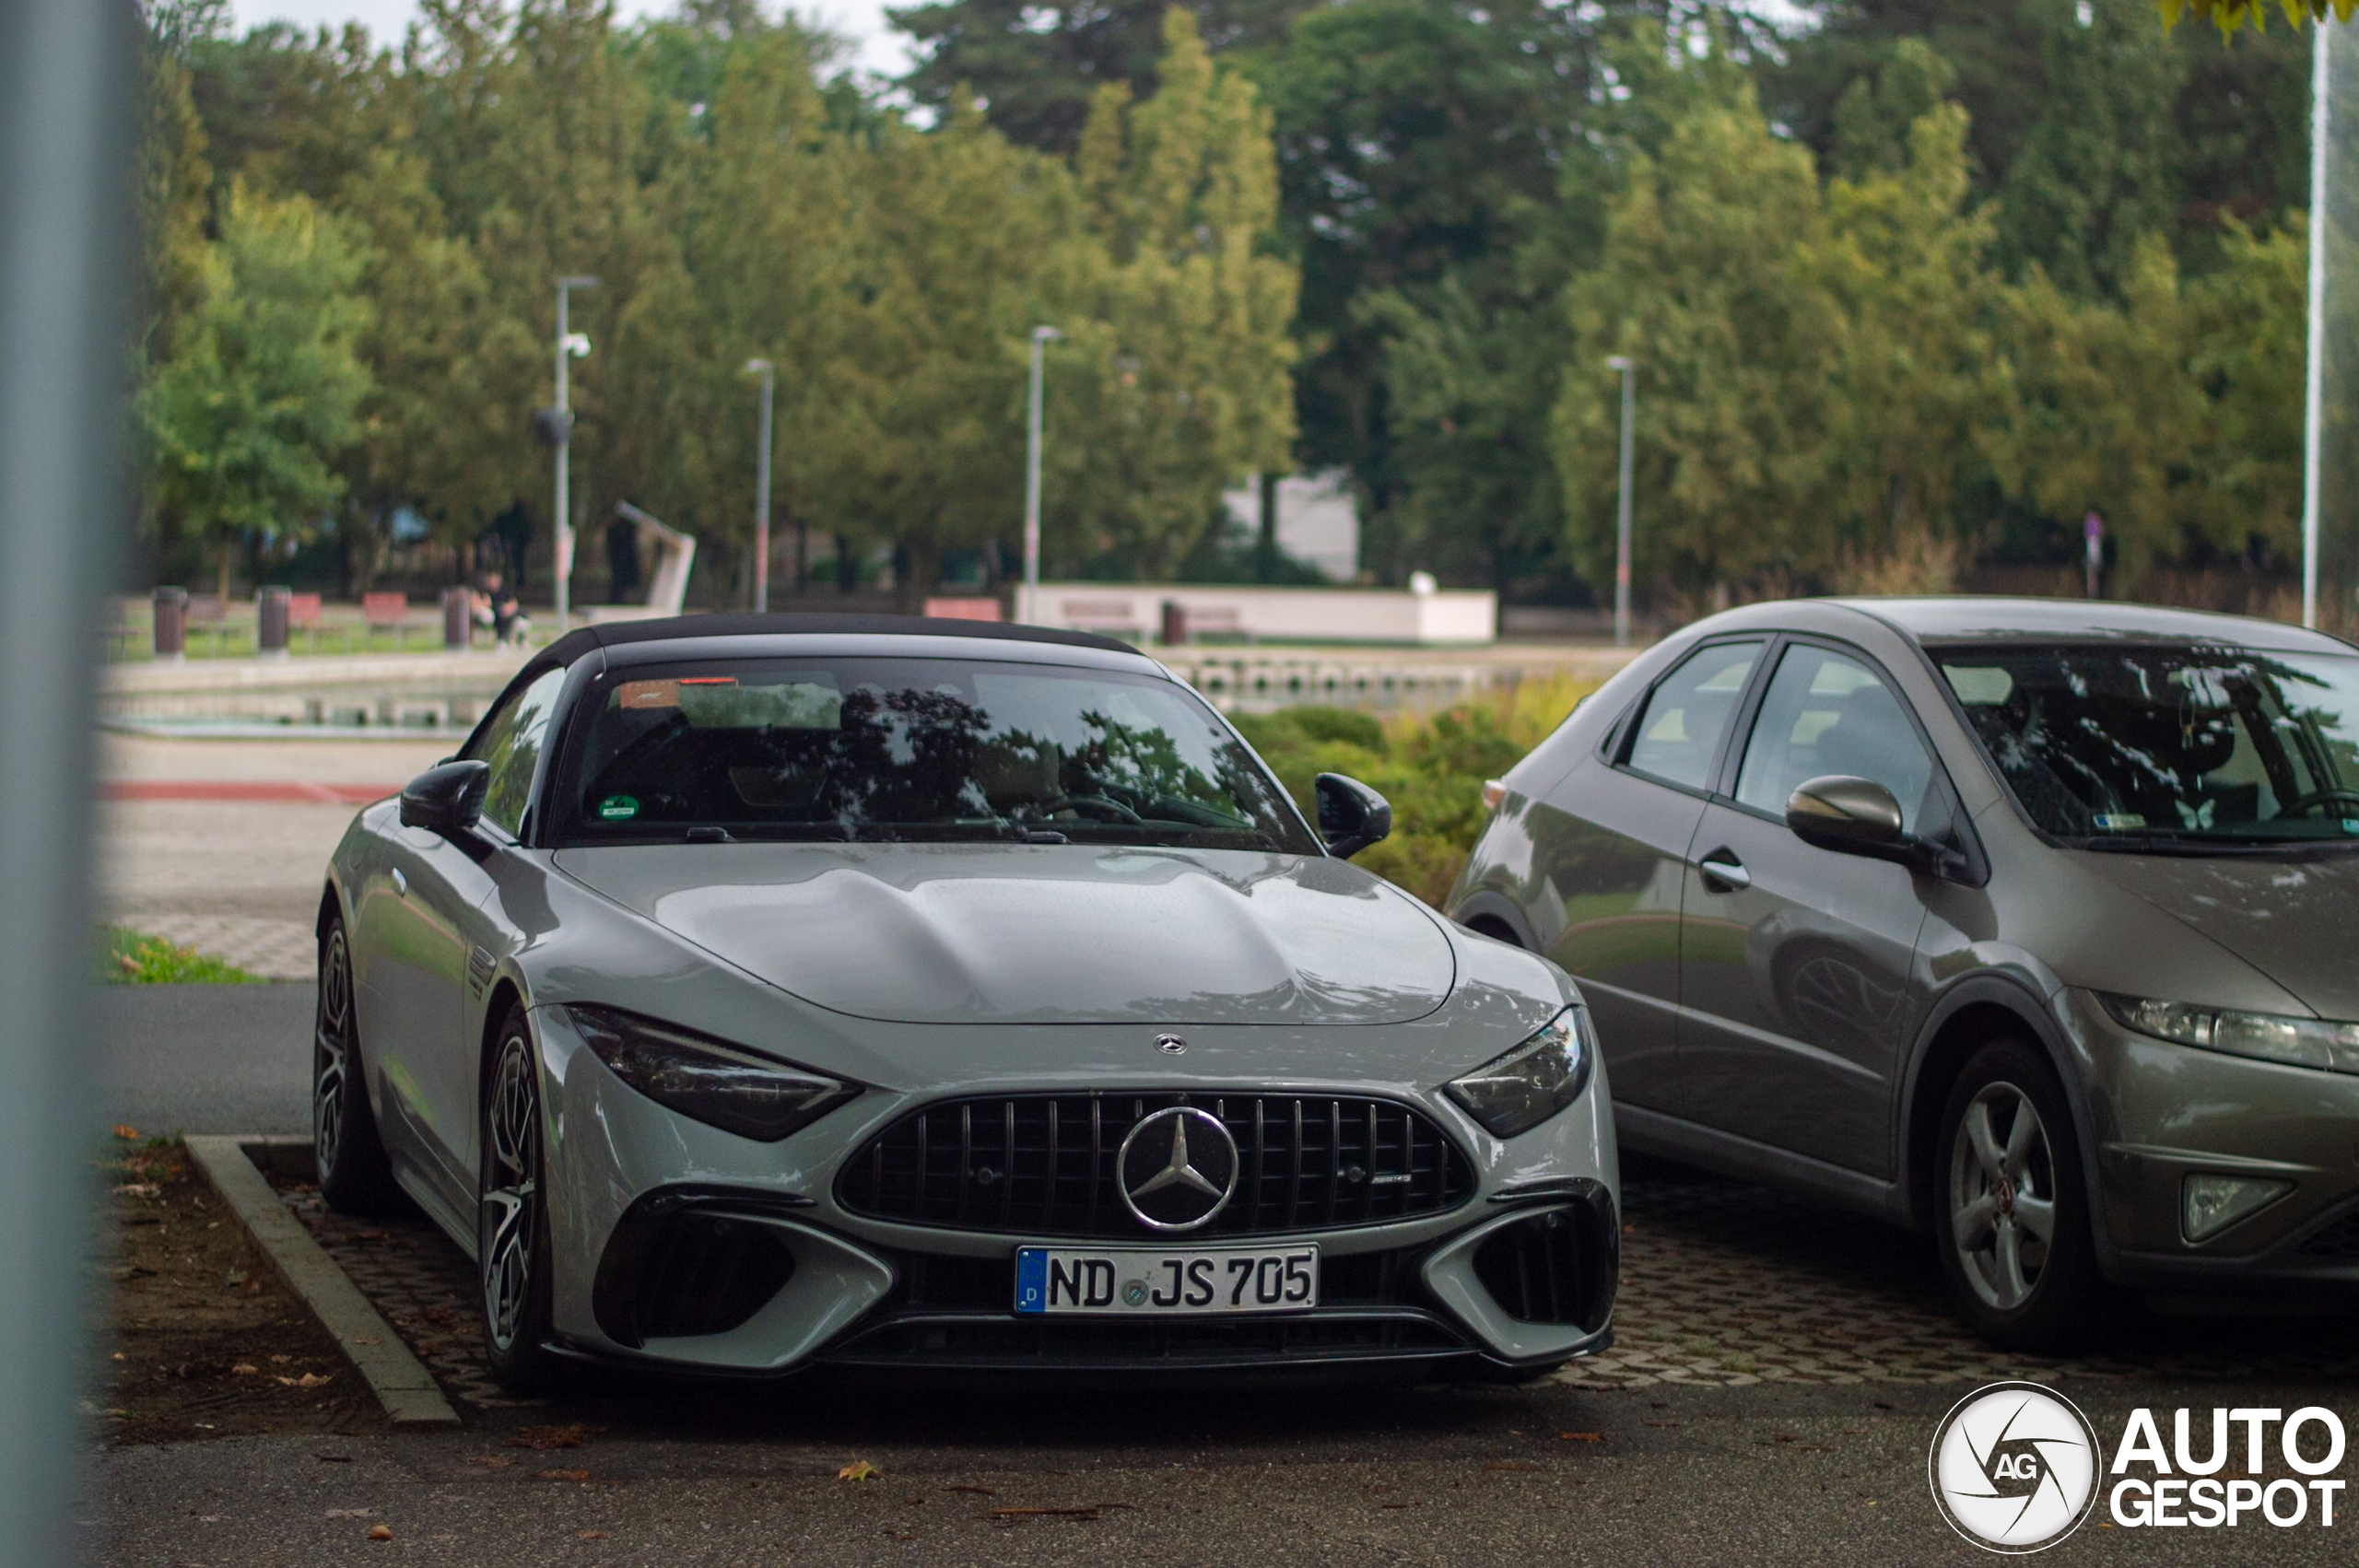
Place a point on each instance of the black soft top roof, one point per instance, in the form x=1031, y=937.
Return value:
x=684, y=629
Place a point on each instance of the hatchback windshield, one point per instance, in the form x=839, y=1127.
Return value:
x=913, y=749
x=2126, y=745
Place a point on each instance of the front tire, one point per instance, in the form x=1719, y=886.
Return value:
x=355, y=1177
x=511, y=1223
x=2013, y=1218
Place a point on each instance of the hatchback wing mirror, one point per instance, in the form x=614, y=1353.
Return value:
x=1850, y=817
x=446, y=799
x=1351, y=816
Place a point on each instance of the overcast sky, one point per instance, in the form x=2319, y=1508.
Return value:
x=879, y=48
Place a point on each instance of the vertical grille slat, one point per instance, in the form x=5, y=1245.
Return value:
x=1302, y=1163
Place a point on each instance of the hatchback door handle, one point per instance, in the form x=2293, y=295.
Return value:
x=1723, y=872
x=401, y=883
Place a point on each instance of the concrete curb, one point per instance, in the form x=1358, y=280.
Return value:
x=407, y=1391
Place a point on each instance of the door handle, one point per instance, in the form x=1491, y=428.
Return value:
x=1723, y=872
x=401, y=883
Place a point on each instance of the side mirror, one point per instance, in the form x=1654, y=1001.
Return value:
x=1850, y=817
x=1351, y=816
x=447, y=798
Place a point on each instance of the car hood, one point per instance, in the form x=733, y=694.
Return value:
x=1044, y=934
x=2290, y=919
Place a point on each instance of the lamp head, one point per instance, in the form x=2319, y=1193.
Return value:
x=1619, y=362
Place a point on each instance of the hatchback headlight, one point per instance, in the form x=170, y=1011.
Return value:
x=1533, y=1082
x=717, y=1085
x=2266, y=1036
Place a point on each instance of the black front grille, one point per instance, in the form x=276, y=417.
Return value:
x=2339, y=1243
x=1086, y=1345
x=679, y=1263
x=1043, y=1164
x=1551, y=1268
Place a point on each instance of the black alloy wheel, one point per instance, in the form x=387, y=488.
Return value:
x=2012, y=1217
x=511, y=1217
x=354, y=1177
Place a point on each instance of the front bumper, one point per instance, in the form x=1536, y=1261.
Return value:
x=680, y=1245
x=2164, y=1112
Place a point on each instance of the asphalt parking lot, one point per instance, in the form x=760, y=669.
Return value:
x=1778, y=1373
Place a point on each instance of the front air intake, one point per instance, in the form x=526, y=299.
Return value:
x=1554, y=1267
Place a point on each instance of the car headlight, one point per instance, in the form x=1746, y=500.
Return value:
x=719, y=1085
x=2301, y=1042
x=1533, y=1082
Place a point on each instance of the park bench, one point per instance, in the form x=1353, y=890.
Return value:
x=207, y=610
x=381, y=612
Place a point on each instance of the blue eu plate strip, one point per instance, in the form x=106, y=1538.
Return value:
x=1031, y=1279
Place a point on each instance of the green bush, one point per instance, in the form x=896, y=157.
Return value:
x=1431, y=766
x=127, y=957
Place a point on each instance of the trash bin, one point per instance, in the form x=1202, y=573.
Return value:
x=271, y=617
x=458, y=612
x=1175, y=623
x=171, y=622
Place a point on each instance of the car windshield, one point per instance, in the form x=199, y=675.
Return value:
x=2172, y=746
x=913, y=749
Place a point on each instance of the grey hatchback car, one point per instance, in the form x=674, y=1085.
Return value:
x=2033, y=922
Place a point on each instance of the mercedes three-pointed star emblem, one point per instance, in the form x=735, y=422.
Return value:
x=1177, y=1169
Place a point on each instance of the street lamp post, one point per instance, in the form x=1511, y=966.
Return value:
x=2314, y=391
x=570, y=345
x=1622, y=509
x=763, y=368
x=1041, y=338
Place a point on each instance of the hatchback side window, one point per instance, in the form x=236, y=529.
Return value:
x=1678, y=735
x=1825, y=714
x=511, y=745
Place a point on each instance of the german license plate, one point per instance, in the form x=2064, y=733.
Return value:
x=1126, y=1282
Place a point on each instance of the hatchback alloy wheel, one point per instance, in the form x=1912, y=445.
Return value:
x=2003, y=1196
x=332, y=1053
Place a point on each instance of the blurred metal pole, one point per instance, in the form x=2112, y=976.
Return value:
x=562, y=536
x=1041, y=338
x=1622, y=508
x=66, y=86
x=768, y=374
x=2314, y=393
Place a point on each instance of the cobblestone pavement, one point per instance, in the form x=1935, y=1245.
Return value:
x=423, y=1285
x=275, y=950
x=1724, y=1284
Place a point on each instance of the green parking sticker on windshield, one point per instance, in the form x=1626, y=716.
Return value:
x=618, y=808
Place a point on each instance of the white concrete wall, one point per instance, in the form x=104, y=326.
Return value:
x=1267, y=615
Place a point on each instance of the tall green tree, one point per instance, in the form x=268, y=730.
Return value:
x=1182, y=354
x=1703, y=284
x=1036, y=69
x=263, y=387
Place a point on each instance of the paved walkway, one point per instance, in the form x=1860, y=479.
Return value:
x=223, y=844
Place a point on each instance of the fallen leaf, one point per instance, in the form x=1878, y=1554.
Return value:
x=309, y=1380
x=1580, y=1437
x=572, y=1436
x=245, y=1369
x=118, y=1355
x=900, y=1535
x=976, y=1491
x=490, y=1461
x=349, y=1513
x=125, y=1131
x=859, y=1469
x=380, y=1532
x=281, y=1361
x=590, y=1535
x=562, y=1475
x=138, y=1190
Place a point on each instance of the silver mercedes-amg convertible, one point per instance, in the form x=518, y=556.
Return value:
x=757, y=992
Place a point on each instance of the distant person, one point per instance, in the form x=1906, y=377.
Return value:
x=622, y=559
x=496, y=607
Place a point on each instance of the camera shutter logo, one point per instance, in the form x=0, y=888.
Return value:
x=2014, y=1467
